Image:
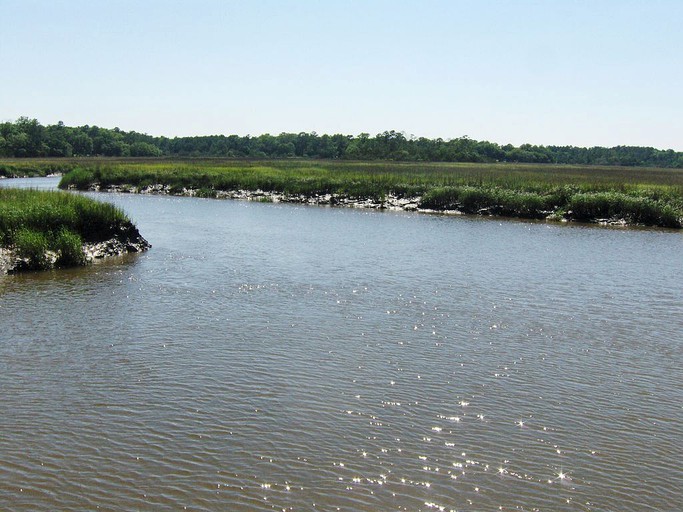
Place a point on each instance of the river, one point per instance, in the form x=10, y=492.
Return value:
x=287, y=357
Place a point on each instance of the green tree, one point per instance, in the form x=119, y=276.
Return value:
x=81, y=143
x=33, y=144
x=144, y=149
x=110, y=143
x=56, y=140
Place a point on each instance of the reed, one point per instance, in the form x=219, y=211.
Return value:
x=649, y=196
x=564, y=202
x=35, y=223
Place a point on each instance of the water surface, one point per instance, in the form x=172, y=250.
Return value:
x=283, y=357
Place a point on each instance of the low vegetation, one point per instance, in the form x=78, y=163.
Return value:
x=46, y=229
x=31, y=168
x=647, y=196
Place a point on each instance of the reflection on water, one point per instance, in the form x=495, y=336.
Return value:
x=279, y=357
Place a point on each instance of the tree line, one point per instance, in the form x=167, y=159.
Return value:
x=28, y=138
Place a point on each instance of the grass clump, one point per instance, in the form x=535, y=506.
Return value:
x=69, y=247
x=31, y=246
x=46, y=229
x=495, y=201
x=41, y=251
x=614, y=205
x=78, y=178
x=205, y=192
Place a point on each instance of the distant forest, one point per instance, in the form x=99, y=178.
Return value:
x=26, y=137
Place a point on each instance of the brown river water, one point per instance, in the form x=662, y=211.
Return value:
x=286, y=357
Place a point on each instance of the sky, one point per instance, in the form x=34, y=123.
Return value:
x=582, y=73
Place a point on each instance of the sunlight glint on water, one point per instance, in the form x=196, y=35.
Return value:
x=267, y=357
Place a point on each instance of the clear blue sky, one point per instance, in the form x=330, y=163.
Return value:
x=560, y=72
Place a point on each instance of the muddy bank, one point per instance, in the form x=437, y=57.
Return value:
x=127, y=240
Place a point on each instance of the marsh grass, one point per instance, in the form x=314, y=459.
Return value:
x=69, y=248
x=20, y=168
x=497, y=201
x=563, y=202
x=32, y=246
x=34, y=223
x=650, y=196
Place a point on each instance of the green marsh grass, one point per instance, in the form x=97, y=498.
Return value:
x=649, y=196
x=34, y=222
x=24, y=167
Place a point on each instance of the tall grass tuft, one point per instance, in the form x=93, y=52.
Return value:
x=37, y=223
x=32, y=246
x=69, y=247
x=78, y=178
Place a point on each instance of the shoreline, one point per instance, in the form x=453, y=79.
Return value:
x=45, y=230
x=390, y=202
x=11, y=263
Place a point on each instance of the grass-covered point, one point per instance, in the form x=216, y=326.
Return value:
x=29, y=168
x=46, y=229
x=646, y=196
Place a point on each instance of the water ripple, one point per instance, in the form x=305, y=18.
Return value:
x=347, y=360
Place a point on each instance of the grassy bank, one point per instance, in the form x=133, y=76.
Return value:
x=46, y=229
x=647, y=196
x=30, y=168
